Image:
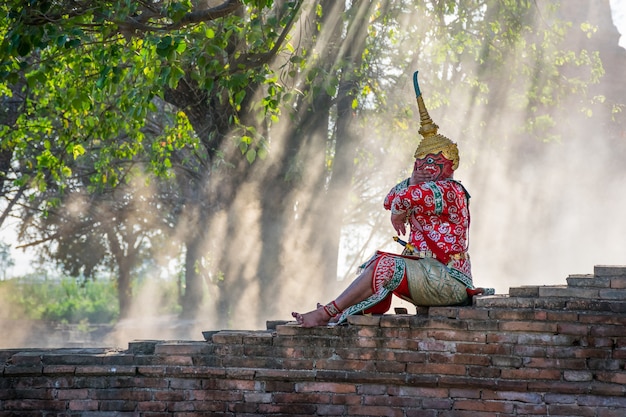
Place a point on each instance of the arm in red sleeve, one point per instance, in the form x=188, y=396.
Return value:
x=399, y=188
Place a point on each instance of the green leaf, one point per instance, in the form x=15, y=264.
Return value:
x=251, y=155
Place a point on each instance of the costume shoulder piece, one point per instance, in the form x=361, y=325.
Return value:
x=401, y=186
x=467, y=194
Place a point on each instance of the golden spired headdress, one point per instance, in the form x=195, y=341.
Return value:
x=432, y=142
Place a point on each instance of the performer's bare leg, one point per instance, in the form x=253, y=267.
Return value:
x=357, y=291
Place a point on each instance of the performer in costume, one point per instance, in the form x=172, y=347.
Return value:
x=434, y=268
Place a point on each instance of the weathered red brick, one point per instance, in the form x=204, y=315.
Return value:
x=613, y=377
x=531, y=409
x=484, y=406
x=325, y=387
x=83, y=405
x=484, y=349
x=288, y=409
x=153, y=406
x=560, y=389
x=346, y=399
x=33, y=405
x=303, y=397
x=365, y=321
x=602, y=401
x=178, y=406
x=517, y=314
x=594, y=317
x=575, y=364
x=120, y=394
x=23, y=370
x=461, y=358
x=449, y=312
x=435, y=404
x=609, y=412
x=27, y=359
x=608, y=330
x=58, y=369
x=577, y=376
x=401, y=344
x=447, y=324
x=482, y=325
x=394, y=367
x=396, y=402
x=571, y=410
x=214, y=395
x=561, y=316
x=436, y=368
x=228, y=350
x=483, y=372
x=506, y=361
x=529, y=351
x=414, y=412
x=524, y=397
x=618, y=282
x=170, y=395
x=189, y=383
x=421, y=380
x=72, y=394
x=409, y=356
x=363, y=410
x=573, y=328
x=530, y=373
x=472, y=413
x=396, y=321
x=240, y=373
x=226, y=384
x=182, y=348
x=117, y=405
x=528, y=326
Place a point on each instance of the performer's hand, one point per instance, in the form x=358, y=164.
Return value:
x=421, y=176
x=398, y=223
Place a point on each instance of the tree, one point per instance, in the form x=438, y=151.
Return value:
x=342, y=90
x=6, y=260
x=135, y=56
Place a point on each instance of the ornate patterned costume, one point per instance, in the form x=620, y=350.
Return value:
x=439, y=270
x=436, y=270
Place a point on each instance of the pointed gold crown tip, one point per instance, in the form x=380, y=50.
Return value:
x=432, y=142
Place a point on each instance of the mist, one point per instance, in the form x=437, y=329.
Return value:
x=540, y=211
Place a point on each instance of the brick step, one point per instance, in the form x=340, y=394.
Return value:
x=569, y=291
x=609, y=270
x=592, y=281
x=497, y=315
x=551, y=303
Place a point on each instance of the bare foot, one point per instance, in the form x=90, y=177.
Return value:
x=332, y=319
x=313, y=318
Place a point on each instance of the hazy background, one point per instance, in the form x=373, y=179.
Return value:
x=540, y=212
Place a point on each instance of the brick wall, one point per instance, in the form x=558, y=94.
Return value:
x=538, y=351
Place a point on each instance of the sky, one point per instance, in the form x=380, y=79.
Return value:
x=618, y=8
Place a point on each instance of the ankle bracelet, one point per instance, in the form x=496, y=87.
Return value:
x=332, y=309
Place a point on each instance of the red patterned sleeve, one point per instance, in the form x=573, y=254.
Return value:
x=398, y=189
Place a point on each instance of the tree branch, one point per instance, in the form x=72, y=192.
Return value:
x=258, y=59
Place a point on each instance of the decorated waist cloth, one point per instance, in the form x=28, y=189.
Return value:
x=421, y=281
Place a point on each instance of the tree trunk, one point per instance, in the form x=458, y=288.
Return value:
x=124, y=292
x=193, y=290
x=125, y=261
